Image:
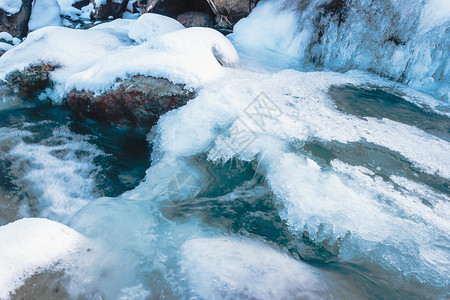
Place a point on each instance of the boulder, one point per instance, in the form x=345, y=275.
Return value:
x=31, y=81
x=229, y=12
x=138, y=101
x=16, y=21
x=103, y=10
x=196, y=19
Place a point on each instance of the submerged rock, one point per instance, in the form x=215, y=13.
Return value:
x=15, y=21
x=137, y=101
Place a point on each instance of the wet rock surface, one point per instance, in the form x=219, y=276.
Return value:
x=138, y=101
x=29, y=82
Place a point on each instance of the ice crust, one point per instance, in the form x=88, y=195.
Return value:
x=404, y=41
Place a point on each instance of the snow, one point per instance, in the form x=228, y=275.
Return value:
x=44, y=13
x=11, y=6
x=68, y=10
x=190, y=56
x=93, y=59
x=5, y=46
x=33, y=245
x=149, y=26
x=6, y=37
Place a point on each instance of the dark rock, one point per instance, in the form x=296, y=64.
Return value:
x=195, y=19
x=109, y=8
x=138, y=101
x=81, y=3
x=16, y=24
x=169, y=8
x=229, y=12
x=29, y=82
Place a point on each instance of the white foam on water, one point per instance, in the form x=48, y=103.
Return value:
x=29, y=246
x=59, y=172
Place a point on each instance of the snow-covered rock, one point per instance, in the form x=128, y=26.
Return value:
x=14, y=16
x=28, y=246
x=137, y=101
x=108, y=9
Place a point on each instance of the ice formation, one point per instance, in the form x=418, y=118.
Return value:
x=399, y=40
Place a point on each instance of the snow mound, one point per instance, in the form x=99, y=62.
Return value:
x=149, y=26
x=94, y=59
x=31, y=245
x=237, y=268
x=44, y=13
x=11, y=6
x=191, y=56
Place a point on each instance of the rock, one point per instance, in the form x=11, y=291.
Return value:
x=81, y=3
x=16, y=23
x=109, y=8
x=173, y=8
x=138, y=101
x=229, y=12
x=195, y=19
x=29, y=82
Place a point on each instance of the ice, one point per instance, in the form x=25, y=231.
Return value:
x=149, y=26
x=44, y=13
x=33, y=245
x=376, y=221
x=232, y=268
x=11, y=6
x=398, y=40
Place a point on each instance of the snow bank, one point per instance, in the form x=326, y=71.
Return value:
x=191, y=56
x=28, y=246
x=44, y=13
x=149, y=26
x=93, y=59
x=11, y=6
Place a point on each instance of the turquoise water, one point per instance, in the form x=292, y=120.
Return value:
x=101, y=160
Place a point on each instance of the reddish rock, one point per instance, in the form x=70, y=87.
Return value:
x=138, y=101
